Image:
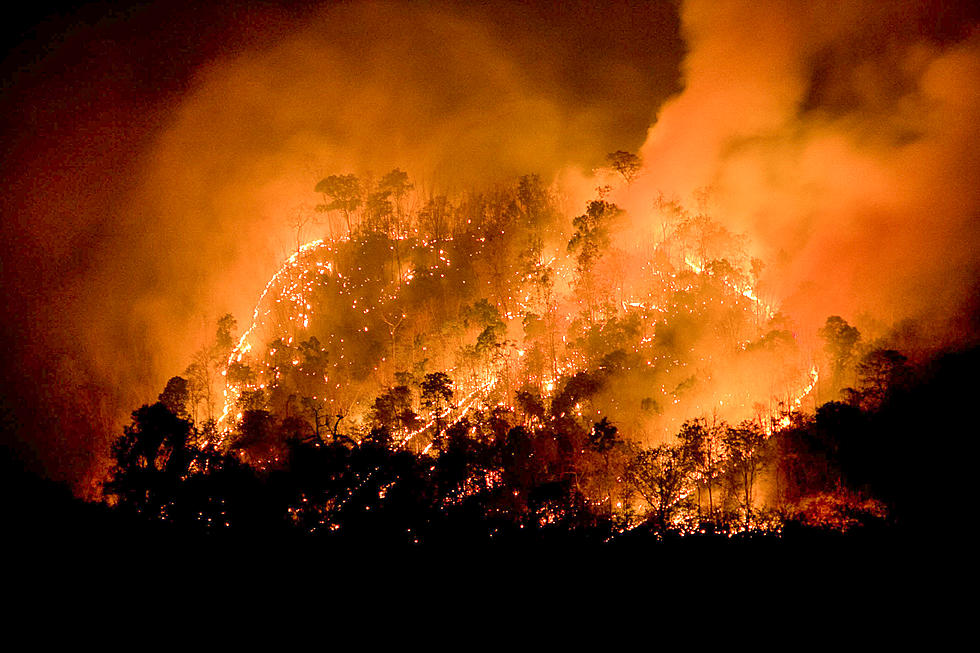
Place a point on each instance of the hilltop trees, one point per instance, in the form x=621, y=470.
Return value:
x=340, y=193
x=626, y=164
x=498, y=379
x=382, y=203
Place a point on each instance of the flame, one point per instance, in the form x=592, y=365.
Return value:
x=297, y=292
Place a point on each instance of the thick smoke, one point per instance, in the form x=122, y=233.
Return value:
x=144, y=200
x=841, y=137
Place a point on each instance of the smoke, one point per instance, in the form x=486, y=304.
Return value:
x=362, y=88
x=841, y=137
x=158, y=158
x=153, y=180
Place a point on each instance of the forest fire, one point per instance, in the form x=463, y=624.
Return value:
x=323, y=303
x=294, y=286
x=684, y=282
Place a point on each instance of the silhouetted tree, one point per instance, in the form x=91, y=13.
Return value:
x=747, y=455
x=879, y=372
x=224, y=339
x=530, y=405
x=258, y=437
x=437, y=391
x=208, y=363
x=603, y=439
x=392, y=409
x=341, y=193
x=841, y=341
x=150, y=460
x=435, y=217
x=660, y=475
x=627, y=164
x=705, y=449
x=175, y=397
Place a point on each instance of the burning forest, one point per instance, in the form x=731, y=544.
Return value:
x=713, y=278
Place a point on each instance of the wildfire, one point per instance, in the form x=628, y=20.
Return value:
x=286, y=307
x=297, y=291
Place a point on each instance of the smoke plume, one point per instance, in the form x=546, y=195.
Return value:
x=841, y=137
x=159, y=158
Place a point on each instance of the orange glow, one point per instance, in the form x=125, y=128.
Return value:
x=834, y=145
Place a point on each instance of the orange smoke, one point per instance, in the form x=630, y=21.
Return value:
x=841, y=137
x=145, y=198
